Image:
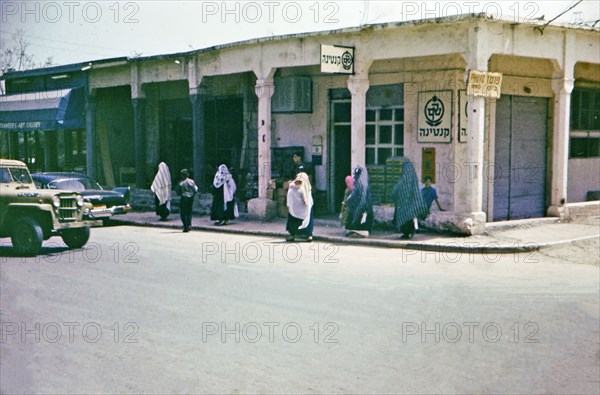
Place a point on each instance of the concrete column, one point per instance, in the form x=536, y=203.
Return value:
x=138, y=102
x=197, y=97
x=474, y=157
x=560, y=145
x=358, y=87
x=562, y=86
x=139, y=106
x=262, y=207
x=470, y=209
x=264, y=91
x=90, y=134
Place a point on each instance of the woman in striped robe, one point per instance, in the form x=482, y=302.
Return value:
x=408, y=201
x=359, y=217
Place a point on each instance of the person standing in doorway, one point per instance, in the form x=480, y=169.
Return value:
x=161, y=186
x=224, y=207
x=187, y=189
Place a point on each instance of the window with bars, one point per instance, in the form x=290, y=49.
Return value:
x=585, y=123
x=384, y=134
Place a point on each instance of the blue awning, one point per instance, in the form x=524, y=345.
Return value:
x=47, y=110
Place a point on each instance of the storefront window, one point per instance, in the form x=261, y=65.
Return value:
x=585, y=123
x=47, y=150
x=384, y=134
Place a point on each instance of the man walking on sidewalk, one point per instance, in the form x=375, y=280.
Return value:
x=187, y=189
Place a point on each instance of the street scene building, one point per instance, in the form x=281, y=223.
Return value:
x=503, y=116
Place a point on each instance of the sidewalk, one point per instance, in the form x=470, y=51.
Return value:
x=501, y=237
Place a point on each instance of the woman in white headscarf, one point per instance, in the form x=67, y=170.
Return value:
x=161, y=186
x=224, y=207
x=300, y=204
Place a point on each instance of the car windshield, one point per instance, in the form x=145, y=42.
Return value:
x=74, y=184
x=20, y=175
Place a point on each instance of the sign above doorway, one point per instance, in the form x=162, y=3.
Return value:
x=337, y=59
x=484, y=84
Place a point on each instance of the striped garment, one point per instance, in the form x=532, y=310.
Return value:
x=407, y=197
x=359, y=204
x=161, y=185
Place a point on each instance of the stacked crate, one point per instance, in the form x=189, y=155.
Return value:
x=393, y=170
x=277, y=191
x=281, y=193
x=377, y=183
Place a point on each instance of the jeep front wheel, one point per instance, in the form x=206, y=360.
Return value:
x=27, y=236
x=77, y=237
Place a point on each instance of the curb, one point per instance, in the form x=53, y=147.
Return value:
x=450, y=246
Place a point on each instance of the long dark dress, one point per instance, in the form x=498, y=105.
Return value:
x=359, y=203
x=294, y=223
x=217, y=210
x=408, y=200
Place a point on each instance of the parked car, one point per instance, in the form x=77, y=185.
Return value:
x=106, y=203
x=30, y=216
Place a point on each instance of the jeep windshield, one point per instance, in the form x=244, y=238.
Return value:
x=17, y=174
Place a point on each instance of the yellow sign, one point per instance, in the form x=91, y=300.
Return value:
x=484, y=84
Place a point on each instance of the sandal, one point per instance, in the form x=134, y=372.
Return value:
x=309, y=239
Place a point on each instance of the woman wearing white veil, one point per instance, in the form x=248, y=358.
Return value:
x=161, y=186
x=300, y=204
x=224, y=207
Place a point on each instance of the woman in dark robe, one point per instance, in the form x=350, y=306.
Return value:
x=223, y=207
x=409, y=204
x=359, y=217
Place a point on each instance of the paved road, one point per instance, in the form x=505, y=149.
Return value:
x=146, y=310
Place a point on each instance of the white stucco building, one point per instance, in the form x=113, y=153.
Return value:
x=526, y=154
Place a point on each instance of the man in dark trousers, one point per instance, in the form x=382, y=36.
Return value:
x=187, y=189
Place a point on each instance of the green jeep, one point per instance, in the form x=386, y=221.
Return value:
x=30, y=215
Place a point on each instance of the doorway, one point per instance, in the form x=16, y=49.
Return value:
x=340, y=152
x=223, y=135
x=176, y=148
x=520, y=157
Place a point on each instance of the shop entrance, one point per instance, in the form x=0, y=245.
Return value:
x=519, y=167
x=223, y=135
x=176, y=148
x=340, y=152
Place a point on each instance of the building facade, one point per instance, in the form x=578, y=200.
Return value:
x=526, y=154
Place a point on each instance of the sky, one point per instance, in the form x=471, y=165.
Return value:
x=78, y=31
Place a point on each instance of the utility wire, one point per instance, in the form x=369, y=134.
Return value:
x=541, y=29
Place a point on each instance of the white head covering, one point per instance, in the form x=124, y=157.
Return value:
x=223, y=177
x=299, y=199
x=161, y=185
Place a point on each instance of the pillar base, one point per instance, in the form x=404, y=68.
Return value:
x=262, y=208
x=467, y=224
x=559, y=211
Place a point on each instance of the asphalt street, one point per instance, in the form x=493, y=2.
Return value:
x=154, y=310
